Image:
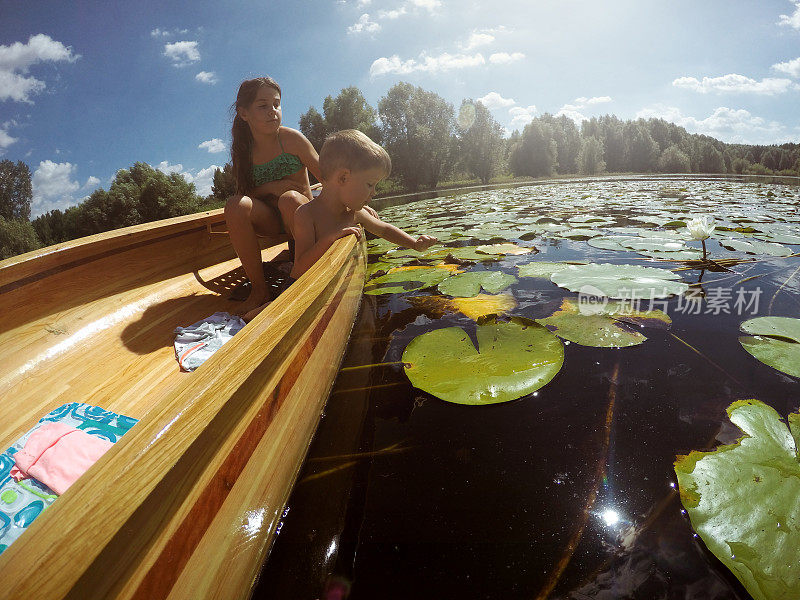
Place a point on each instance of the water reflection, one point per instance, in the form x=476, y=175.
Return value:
x=567, y=493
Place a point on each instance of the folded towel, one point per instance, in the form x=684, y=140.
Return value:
x=196, y=343
x=57, y=454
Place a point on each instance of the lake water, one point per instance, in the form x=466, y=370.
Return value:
x=568, y=492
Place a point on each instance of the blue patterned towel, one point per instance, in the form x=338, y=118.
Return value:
x=21, y=502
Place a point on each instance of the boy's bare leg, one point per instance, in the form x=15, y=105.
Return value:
x=245, y=219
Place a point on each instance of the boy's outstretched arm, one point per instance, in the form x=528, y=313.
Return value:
x=393, y=234
x=307, y=249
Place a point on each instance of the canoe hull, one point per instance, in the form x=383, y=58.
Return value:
x=187, y=503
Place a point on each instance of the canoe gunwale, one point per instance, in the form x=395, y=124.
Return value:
x=133, y=473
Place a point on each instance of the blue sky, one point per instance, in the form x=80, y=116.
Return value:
x=88, y=88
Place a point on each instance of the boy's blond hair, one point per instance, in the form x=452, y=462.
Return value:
x=353, y=150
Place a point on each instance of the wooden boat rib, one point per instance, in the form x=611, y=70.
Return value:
x=185, y=505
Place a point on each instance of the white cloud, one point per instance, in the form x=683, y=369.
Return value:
x=503, y=58
x=364, y=25
x=597, y=99
x=790, y=67
x=521, y=116
x=477, y=39
x=91, y=182
x=409, y=7
x=735, y=83
x=443, y=62
x=6, y=139
x=792, y=20
x=572, y=111
x=17, y=58
x=213, y=146
x=363, y=3
x=202, y=179
x=169, y=169
x=53, y=186
x=493, y=100
x=208, y=77
x=166, y=33
x=726, y=124
x=182, y=53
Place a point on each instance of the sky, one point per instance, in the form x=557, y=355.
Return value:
x=89, y=88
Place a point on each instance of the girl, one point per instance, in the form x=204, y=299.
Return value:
x=270, y=168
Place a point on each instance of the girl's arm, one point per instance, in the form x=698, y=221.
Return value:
x=296, y=143
x=393, y=234
x=308, y=249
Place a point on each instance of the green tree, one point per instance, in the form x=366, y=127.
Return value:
x=590, y=158
x=223, y=186
x=16, y=192
x=417, y=132
x=641, y=151
x=348, y=110
x=568, y=141
x=674, y=160
x=480, y=140
x=17, y=236
x=537, y=153
x=711, y=159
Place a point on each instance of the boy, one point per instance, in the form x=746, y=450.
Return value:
x=351, y=166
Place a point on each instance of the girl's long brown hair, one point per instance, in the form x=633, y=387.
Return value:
x=241, y=138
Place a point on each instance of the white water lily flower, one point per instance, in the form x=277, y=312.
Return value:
x=700, y=228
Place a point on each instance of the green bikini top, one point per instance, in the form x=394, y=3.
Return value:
x=279, y=167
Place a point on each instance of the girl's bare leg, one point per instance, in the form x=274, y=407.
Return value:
x=287, y=204
x=246, y=218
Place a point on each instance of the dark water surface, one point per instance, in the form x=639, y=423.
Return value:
x=565, y=493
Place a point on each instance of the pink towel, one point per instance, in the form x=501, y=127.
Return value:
x=57, y=454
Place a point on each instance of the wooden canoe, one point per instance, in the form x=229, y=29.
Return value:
x=185, y=505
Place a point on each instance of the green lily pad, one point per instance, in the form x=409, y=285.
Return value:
x=466, y=285
x=754, y=246
x=612, y=325
x=620, y=281
x=504, y=249
x=580, y=234
x=408, y=279
x=542, y=268
x=658, y=244
x=775, y=341
x=611, y=242
x=464, y=253
x=513, y=359
x=742, y=500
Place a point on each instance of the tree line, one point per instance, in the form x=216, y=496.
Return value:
x=429, y=142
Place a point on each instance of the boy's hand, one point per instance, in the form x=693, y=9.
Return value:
x=356, y=231
x=424, y=242
x=371, y=211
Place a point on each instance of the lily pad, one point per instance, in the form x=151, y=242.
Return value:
x=742, y=500
x=775, y=341
x=476, y=307
x=613, y=325
x=407, y=279
x=620, y=281
x=469, y=284
x=754, y=246
x=611, y=242
x=513, y=359
x=542, y=268
x=503, y=249
x=464, y=253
